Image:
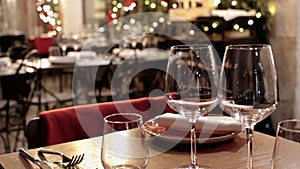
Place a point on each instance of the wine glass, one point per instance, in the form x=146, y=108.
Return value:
x=287, y=145
x=248, y=89
x=63, y=42
x=191, y=86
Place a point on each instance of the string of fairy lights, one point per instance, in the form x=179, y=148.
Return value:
x=48, y=13
x=50, y=19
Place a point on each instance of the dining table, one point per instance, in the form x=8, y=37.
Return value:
x=226, y=154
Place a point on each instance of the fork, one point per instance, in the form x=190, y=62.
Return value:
x=66, y=161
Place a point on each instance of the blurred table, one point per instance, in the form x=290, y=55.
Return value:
x=231, y=154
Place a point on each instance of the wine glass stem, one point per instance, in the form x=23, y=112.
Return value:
x=249, y=132
x=193, y=145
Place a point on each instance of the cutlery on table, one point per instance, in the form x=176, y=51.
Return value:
x=41, y=164
x=66, y=161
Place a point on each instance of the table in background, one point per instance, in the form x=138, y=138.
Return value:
x=231, y=154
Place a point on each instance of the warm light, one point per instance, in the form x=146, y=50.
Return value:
x=133, y=4
x=272, y=7
x=192, y=32
x=52, y=21
x=164, y=3
x=132, y=21
x=151, y=29
x=55, y=2
x=58, y=22
x=119, y=5
x=147, y=2
x=50, y=13
x=113, y=15
x=131, y=8
x=39, y=8
x=46, y=8
x=152, y=5
x=115, y=21
x=154, y=24
x=161, y=20
x=54, y=33
x=58, y=28
x=234, y=3
x=241, y=30
x=258, y=15
x=126, y=9
x=214, y=25
x=118, y=28
x=206, y=28
x=115, y=9
x=101, y=29
x=174, y=5
x=250, y=22
x=217, y=2
x=126, y=27
x=236, y=26
x=114, y=2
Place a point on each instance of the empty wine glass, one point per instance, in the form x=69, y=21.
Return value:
x=248, y=89
x=191, y=87
x=287, y=145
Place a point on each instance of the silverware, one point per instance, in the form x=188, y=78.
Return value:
x=66, y=161
x=41, y=164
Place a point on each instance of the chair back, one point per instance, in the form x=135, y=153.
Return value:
x=17, y=51
x=42, y=44
x=84, y=121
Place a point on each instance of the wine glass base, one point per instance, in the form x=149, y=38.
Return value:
x=194, y=167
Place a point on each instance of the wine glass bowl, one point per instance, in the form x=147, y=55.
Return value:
x=249, y=89
x=191, y=86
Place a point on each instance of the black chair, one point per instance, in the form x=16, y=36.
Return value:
x=17, y=51
x=42, y=96
x=17, y=89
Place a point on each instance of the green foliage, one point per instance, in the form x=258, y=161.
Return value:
x=259, y=5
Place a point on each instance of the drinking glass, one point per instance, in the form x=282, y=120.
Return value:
x=287, y=145
x=124, y=143
x=63, y=42
x=248, y=89
x=54, y=51
x=191, y=87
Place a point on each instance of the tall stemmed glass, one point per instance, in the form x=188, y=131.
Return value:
x=248, y=89
x=191, y=86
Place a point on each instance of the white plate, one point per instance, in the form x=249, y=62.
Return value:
x=167, y=130
x=62, y=59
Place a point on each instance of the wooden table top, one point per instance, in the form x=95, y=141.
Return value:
x=230, y=154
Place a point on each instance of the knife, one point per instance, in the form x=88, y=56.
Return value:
x=41, y=164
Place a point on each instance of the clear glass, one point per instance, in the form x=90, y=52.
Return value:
x=124, y=144
x=191, y=87
x=54, y=51
x=248, y=89
x=287, y=145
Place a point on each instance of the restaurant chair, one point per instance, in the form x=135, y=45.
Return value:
x=84, y=121
x=17, y=51
x=42, y=44
x=17, y=92
x=43, y=96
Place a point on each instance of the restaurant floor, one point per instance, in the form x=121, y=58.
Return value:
x=51, y=83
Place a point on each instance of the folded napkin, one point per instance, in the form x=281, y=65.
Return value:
x=218, y=125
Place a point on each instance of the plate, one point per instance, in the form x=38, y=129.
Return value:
x=62, y=59
x=175, y=128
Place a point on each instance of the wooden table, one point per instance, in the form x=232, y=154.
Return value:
x=231, y=154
